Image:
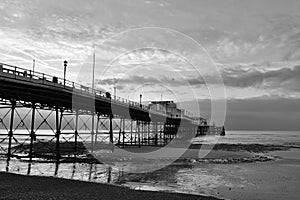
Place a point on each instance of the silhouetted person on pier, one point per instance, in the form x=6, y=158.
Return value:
x=108, y=95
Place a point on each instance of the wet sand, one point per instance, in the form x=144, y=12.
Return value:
x=14, y=186
x=275, y=180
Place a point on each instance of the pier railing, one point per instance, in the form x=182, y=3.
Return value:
x=46, y=79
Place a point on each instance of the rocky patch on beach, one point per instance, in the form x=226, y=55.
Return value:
x=254, y=158
x=232, y=153
x=256, y=148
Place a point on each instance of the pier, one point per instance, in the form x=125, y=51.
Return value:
x=43, y=111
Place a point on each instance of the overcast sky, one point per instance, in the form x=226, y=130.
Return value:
x=255, y=46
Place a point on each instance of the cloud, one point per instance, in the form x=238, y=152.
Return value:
x=134, y=79
x=285, y=78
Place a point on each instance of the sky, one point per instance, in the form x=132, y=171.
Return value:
x=253, y=45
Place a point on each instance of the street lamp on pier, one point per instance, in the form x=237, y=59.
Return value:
x=65, y=68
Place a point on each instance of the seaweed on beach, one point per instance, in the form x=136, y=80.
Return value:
x=48, y=150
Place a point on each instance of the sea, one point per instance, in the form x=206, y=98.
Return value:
x=254, y=137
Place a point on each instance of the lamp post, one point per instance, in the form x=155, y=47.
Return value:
x=115, y=91
x=33, y=66
x=140, y=100
x=65, y=68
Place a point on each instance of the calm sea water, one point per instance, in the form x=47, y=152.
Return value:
x=254, y=137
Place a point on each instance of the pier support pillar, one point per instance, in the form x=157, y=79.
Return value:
x=111, y=132
x=32, y=133
x=138, y=133
x=10, y=133
x=155, y=128
x=123, y=132
x=76, y=131
x=58, y=132
x=120, y=131
x=93, y=132
x=131, y=138
x=149, y=133
x=97, y=128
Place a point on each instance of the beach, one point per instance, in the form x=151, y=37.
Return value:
x=14, y=186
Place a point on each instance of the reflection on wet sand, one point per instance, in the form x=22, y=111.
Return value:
x=169, y=178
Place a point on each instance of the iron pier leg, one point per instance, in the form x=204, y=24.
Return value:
x=156, y=133
x=109, y=174
x=76, y=131
x=139, y=136
x=111, y=136
x=148, y=133
x=142, y=133
x=32, y=133
x=161, y=136
x=56, y=168
x=97, y=128
x=29, y=168
x=131, y=132
x=90, y=171
x=93, y=132
x=120, y=130
x=123, y=132
x=136, y=131
x=10, y=134
x=57, y=134
x=164, y=134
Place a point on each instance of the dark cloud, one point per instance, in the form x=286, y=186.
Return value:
x=139, y=80
x=260, y=113
x=256, y=78
x=284, y=78
x=135, y=79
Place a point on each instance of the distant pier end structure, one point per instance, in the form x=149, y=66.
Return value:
x=38, y=118
x=170, y=109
